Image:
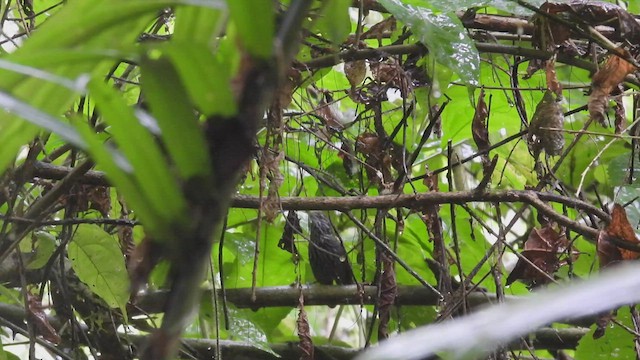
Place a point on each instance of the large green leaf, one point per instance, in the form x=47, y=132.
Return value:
x=104, y=23
x=335, y=21
x=150, y=169
x=97, y=260
x=255, y=23
x=198, y=25
x=444, y=36
x=103, y=27
x=206, y=78
x=170, y=105
x=119, y=172
x=455, y=5
x=42, y=119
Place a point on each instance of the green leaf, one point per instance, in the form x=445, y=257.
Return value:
x=40, y=118
x=99, y=263
x=255, y=23
x=198, y=25
x=119, y=172
x=509, y=6
x=206, y=78
x=107, y=24
x=44, y=247
x=617, y=343
x=3, y=354
x=443, y=35
x=619, y=168
x=181, y=132
x=246, y=330
x=335, y=21
x=149, y=167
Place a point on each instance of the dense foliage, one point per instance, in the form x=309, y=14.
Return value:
x=170, y=167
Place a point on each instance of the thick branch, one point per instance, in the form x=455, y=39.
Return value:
x=288, y=296
x=417, y=201
x=545, y=338
x=413, y=201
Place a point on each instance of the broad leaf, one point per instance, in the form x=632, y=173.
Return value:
x=256, y=35
x=444, y=36
x=97, y=260
x=170, y=105
x=153, y=176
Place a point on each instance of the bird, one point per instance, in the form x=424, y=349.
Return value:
x=327, y=255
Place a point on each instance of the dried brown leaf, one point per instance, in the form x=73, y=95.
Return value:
x=552, y=78
x=38, y=318
x=620, y=228
x=291, y=227
x=479, y=125
x=598, y=13
x=304, y=332
x=604, y=81
x=392, y=74
x=388, y=293
x=620, y=117
x=355, y=72
x=544, y=248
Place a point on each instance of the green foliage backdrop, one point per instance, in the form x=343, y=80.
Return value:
x=156, y=155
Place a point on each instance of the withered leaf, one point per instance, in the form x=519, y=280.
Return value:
x=388, y=293
x=380, y=160
x=544, y=129
x=291, y=227
x=355, y=72
x=621, y=229
x=304, y=332
x=544, y=248
x=598, y=13
x=392, y=74
x=479, y=125
x=270, y=166
x=604, y=82
x=621, y=118
x=552, y=78
x=38, y=317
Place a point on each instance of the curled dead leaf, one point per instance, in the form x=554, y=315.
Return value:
x=388, y=293
x=355, y=72
x=544, y=248
x=291, y=227
x=381, y=160
x=479, y=125
x=620, y=229
x=38, y=317
x=604, y=82
x=552, y=78
x=304, y=332
x=393, y=75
